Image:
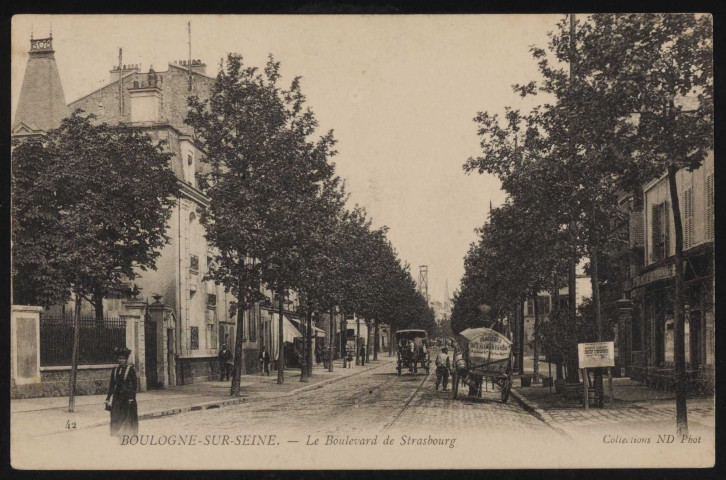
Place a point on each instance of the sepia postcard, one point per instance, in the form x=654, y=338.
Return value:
x=311, y=242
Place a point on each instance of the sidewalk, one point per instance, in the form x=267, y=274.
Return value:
x=49, y=415
x=635, y=406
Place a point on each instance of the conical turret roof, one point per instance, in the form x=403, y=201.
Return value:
x=42, y=104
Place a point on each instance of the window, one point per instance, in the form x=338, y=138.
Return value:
x=659, y=232
x=543, y=305
x=709, y=208
x=194, y=263
x=530, y=307
x=209, y=337
x=242, y=324
x=211, y=300
x=190, y=159
x=253, y=325
x=193, y=338
x=688, y=218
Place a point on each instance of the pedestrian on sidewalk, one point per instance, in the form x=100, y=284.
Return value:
x=121, y=398
x=443, y=365
x=224, y=357
x=362, y=354
x=350, y=358
x=264, y=358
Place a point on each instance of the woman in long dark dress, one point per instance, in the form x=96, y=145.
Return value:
x=121, y=398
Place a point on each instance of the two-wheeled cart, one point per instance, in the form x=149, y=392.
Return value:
x=483, y=355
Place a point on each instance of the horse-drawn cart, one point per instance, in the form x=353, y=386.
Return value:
x=412, y=350
x=484, y=355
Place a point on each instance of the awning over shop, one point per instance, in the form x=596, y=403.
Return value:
x=289, y=333
x=316, y=331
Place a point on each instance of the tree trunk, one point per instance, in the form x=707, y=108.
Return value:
x=238, y=358
x=234, y=389
x=98, y=307
x=679, y=353
x=304, y=324
x=535, y=350
x=520, y=313
x=309, y=346
x=595, y=281
x=357, y=340
x=555, y=314
x=280, y=345
x=74, y=354
x=572, y=361
x=390, y=341
x=368, y=342
x=375, y=342
x=331, y=339
x=344, y=340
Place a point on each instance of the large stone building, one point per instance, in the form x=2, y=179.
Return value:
x=196, y=319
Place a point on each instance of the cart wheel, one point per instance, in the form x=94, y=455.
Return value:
x=506, y=385
x=454, y=385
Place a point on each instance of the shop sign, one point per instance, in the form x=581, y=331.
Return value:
x=661, y=273
x=596, y=354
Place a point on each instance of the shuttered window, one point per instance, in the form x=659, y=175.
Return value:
x=659, y=232
x=636, y=228
x=688, y=218
x=709, y=208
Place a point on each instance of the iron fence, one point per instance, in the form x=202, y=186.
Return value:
x=97, y=340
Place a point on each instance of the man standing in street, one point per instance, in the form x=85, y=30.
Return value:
x=362, y=354
x=443, y=364
x=264, y=362
x=224, y=357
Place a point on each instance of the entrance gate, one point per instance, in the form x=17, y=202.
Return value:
x=150, y=340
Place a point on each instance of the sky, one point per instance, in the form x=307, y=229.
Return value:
x=400, y=93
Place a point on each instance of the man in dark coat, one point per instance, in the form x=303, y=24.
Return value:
x=224, y=367
x=362, y=353
x=121, y=398
x=264, y=358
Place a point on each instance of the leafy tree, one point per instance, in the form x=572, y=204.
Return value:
x=108, y=219
x=652, y=62
x=266, y=181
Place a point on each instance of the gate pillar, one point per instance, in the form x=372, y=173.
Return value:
x=133, y=313
x=162, y=316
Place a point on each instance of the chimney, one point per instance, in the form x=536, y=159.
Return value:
x=115, y=72
x=197, y=65
x=146, y=98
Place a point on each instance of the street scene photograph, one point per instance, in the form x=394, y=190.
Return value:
x=369, y=242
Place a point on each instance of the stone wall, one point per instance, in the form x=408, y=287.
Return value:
x=251, y=364
x=196, y=370
x=54, y=382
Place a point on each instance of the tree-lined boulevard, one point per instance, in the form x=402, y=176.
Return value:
x=621, y=105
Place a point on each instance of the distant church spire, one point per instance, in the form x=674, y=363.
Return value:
x=42, y=103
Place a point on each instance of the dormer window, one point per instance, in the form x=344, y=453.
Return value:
x=190, y=159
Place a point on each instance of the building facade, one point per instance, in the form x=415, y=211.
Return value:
x=648, y=303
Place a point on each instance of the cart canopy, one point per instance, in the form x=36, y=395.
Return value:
x=484, y=347
x=411, y=334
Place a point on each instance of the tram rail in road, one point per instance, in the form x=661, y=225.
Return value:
x=408, y=402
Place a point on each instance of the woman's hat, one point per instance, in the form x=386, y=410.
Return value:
x=122, y=352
